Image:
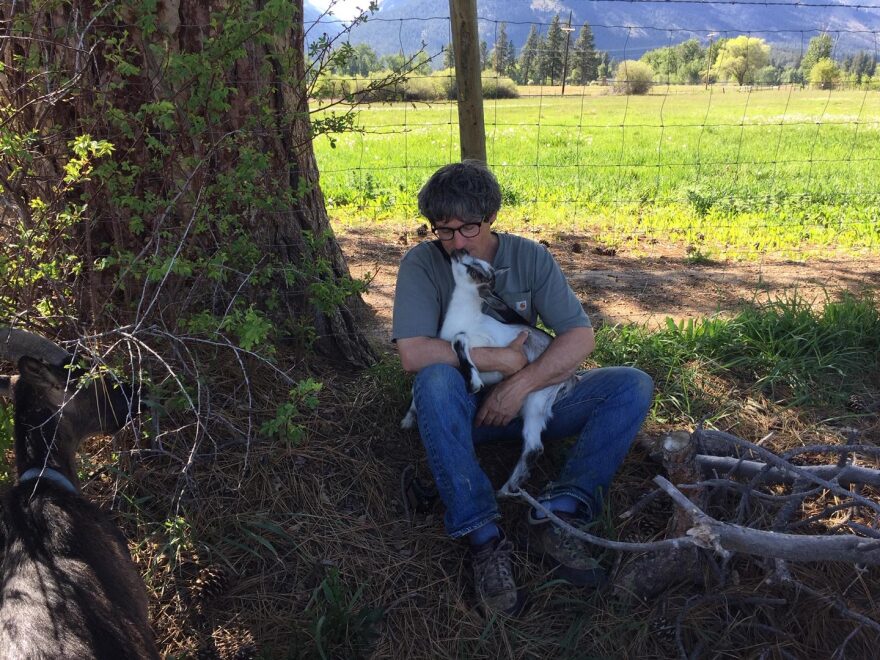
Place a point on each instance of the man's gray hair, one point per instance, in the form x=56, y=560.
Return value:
x=467, y=191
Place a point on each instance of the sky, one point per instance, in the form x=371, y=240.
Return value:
x=344, y=9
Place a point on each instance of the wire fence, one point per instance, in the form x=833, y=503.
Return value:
x=723, y=178
x=704, y=169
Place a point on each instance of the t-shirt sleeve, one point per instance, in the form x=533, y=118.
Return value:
x=555, y=302
x=416, y=300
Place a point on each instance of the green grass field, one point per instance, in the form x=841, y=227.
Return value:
x=739, y=172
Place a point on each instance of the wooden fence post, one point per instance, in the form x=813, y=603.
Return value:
x=466, y=47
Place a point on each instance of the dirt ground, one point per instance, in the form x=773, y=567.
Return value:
x=643, y=286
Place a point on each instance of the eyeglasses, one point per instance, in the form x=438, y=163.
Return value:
x=468, y=230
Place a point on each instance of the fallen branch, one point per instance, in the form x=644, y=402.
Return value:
x=782, y=464
x=668, y=544
x=735, y=467
x=724, y=537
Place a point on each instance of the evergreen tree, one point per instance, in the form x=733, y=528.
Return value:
x=605, y=65
x=528, y=57
x=364, y=62
x=502, y=53
x=511, y=58
x=539, y=75
x=862, y=66
x=585, y=61
x=484, y=55
x=553, y=52
x=448, y=57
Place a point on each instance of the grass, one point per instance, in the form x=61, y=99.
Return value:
x=785, y=349
x=740, y=172
x=325, y=563
x=7, y=443
x=322, y=561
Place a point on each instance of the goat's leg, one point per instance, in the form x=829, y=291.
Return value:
x=536, y=412
x=533, y=425
x=409, y=420
x=462, y=347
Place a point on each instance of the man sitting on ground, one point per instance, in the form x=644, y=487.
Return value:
x=603, y=411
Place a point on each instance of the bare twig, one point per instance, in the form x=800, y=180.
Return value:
x=849, y=474
x=669, y=544
x=835, y=602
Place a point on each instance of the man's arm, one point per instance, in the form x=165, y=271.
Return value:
x=417, y=353
x=562, y=358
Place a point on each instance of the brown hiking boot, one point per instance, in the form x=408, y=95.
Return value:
x=493, y=577
x=570, y=558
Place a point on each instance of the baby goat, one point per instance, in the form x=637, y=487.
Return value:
x=68, y=586
x=466, y=327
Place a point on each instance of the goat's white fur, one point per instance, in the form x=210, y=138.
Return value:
x=466, y=326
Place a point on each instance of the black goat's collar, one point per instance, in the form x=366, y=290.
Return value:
x=50, y=474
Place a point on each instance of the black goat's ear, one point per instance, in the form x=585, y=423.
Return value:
x=38, y=373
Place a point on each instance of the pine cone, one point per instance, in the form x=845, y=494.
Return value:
x=211, y=583
x=662, y=629
x=858, y=404
x=235, y=643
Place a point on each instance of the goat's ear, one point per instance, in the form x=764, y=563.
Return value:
x=38, y=373
x=501, y=271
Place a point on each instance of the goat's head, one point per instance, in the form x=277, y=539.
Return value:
x=63, y=402
x=471, y=271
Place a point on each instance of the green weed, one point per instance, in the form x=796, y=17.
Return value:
x=341, y=625
x=784, y=348
x=286, y=425
x=7, y=440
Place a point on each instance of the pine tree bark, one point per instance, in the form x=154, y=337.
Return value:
x=119, y=72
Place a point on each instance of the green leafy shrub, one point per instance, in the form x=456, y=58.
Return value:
x=342, y=626
x=825, y=74
x=498, y=87
x=633, y=77
x=286, y=426
x=439, y=86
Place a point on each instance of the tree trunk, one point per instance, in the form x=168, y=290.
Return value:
x=210, y=202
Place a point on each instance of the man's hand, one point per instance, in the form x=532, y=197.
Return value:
x=564, y=355
x=512, y=357
x=502, y=404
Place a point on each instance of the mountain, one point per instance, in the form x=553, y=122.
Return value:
x=627, y=29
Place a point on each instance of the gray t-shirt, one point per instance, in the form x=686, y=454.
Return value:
x=534, y=286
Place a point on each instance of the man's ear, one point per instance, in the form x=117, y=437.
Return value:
x=492, y=218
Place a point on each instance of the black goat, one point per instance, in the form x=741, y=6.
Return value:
x=68, y=586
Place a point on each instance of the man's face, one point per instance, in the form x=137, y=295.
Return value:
x=481, y=246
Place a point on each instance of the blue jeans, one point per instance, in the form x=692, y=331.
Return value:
x=604, y=410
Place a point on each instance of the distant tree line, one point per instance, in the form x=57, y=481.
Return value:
x=559, y=54
x=543, y=59
x=750, y=60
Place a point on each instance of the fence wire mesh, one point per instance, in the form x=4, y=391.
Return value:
x=713, y=166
